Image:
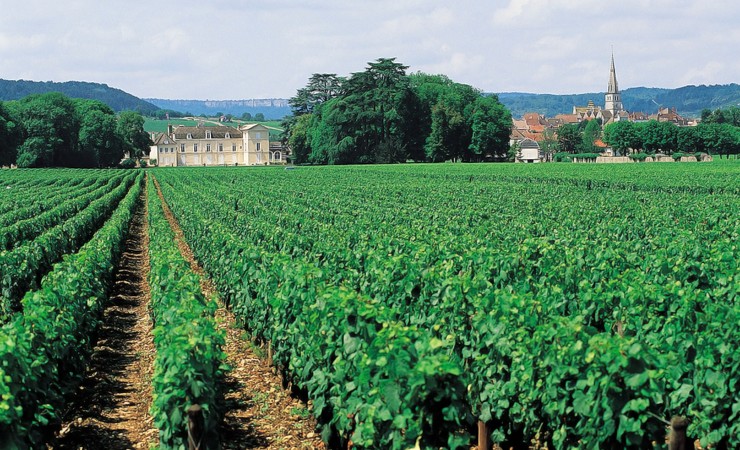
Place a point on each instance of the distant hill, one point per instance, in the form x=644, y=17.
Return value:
x=272, y=108
x=117, y=99
x=688, y=100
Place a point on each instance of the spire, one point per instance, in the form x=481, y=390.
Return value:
x=612, y=99
x=613, y=88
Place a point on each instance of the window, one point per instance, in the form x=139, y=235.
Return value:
x=208, y=148
x=258, y=135
x=233, y=147
x=228, y=135
x=190, y=136
x=208, y=134
x=195, y=148
x=182, y=148
x=220, y=147
x=258, y=146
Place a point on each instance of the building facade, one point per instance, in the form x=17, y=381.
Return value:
x=213, y=146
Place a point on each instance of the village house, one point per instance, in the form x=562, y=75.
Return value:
x=203, y=145
x=530, y=131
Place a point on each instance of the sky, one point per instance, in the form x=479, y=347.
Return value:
x=242, y=49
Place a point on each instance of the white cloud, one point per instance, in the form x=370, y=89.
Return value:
x=224, y=49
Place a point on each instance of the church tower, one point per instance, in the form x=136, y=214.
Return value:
x=613, y=99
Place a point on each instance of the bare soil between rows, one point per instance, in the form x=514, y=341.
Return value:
x=259, y=412
x=111, y=408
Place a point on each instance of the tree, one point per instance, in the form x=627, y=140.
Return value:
x=548, y=144
x=382, y=115
x=622, y=136
x=450, y=107
x=100, y=143
x=11, y=135
x=591, y=132
x=321, y=88
x=730, y=115
x=131, y=129
x=259, y=117
x=689, y=140
x=299, y=140
x=658, y=136
x=51, y=126
x=247, y=116
x=490, y=124
x=720, y=139
x=569, y=139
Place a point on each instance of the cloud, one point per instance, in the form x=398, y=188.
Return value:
x=224, y=49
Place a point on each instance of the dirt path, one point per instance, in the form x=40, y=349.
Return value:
x=111, y=410
x=259, y=413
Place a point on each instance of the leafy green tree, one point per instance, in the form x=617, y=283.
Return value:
x=299, y=140
x=658, y=136
x=11, y=135
x=622, y=136
x=720, y=139
x=131, y=129
x=450, y=133
x=247, y=116
x=100, y=144
x=321, y=88
x=51, y=126
x=259, y=117
x=490, y=123
x=382, y=115
x=569, y=138
x=549, y=144
x=591, y=132
x=689, y=140
x=730, y=115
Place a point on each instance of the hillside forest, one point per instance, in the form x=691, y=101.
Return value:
x=53, y=130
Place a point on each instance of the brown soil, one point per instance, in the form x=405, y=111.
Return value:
x=259, y=412
x=111, y=409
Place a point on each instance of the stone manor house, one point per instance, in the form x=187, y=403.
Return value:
x=203, y=145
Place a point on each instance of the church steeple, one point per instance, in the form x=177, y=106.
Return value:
x=612, y=99
x=613, y=88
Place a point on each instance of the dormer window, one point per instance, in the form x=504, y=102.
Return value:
x=190, y=136
x=228, y=135
x=208, y=134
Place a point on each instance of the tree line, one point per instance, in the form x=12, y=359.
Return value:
x=710, y=136
x=53, y=130
x=384, y=115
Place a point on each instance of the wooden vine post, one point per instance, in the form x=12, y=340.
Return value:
x=483, y=443
x=677, y=437
x=195, y=428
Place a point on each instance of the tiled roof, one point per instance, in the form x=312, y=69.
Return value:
x=217, y=132
x=567, y=118
x=252, y=126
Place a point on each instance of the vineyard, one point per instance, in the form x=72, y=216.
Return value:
x=558, y=306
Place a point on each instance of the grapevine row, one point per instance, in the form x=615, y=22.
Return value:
x=572, y=294
x=25, y=264
x=187, y=367
x=44, y=351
